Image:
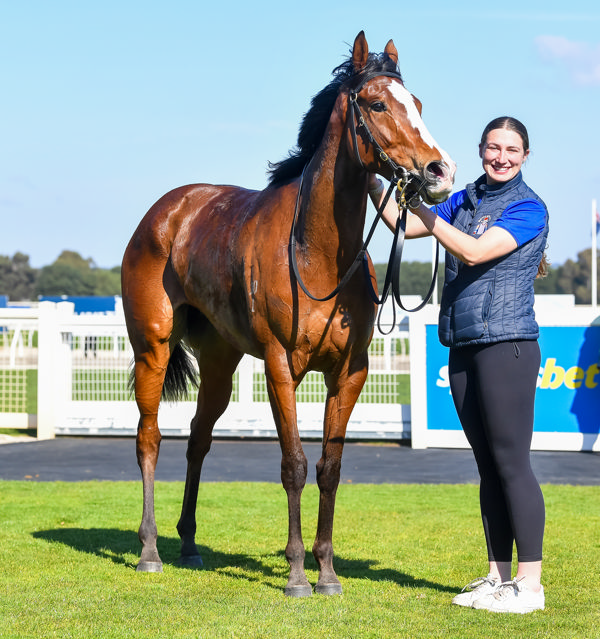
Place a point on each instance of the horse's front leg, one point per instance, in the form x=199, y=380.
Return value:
x=343, y=391
x=282, y=395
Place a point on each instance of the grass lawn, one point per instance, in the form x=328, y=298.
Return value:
x=68, y=554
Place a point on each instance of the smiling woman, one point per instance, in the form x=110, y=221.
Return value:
x=503, y=149
x=494, y=232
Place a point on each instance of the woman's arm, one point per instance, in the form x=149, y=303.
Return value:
x=494, y=243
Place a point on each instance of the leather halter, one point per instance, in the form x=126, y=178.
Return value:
x=358, y=117
x=400, y=180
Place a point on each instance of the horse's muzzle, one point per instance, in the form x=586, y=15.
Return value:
x=438, y=180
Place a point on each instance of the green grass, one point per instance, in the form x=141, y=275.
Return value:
x=19, y=432
x=68, y=554
x=18, y=391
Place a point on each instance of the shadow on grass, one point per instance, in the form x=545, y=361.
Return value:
x=118, y=545
x=372, y=570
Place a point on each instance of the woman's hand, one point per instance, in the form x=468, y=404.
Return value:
x=390, y=214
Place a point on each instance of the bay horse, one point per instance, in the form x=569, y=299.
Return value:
x=208, y=272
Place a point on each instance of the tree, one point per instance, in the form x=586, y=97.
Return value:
x=108, y=282
x=62, y=279
x=415, y=277
x=73, y=259
x=71, y=274
x=569, y=278
x=547, y=285
x=576, y=277
x=17, y=277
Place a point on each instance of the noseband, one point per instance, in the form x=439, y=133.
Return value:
x=401, y=179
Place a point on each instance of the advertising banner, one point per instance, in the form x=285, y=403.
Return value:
x=567, y=408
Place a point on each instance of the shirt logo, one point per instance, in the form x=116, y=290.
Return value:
x=482, y=224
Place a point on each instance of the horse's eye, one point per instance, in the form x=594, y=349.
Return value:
x=378, y=107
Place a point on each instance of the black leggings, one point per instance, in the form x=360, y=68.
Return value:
x=493, y=387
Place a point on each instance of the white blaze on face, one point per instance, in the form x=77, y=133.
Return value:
x=414, y=117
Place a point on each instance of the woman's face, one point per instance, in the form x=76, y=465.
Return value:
x=502, y=155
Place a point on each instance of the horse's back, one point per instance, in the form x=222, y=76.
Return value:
x=190, y=249
x=180, y=211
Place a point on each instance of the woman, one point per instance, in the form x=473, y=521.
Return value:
x=494, y=233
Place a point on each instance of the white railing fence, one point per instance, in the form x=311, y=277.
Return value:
x=18, y=367
x=67, y=374
x=82, y=366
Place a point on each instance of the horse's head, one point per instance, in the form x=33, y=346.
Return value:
x=385, y=127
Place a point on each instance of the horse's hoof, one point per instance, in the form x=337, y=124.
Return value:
x=190, y=561
x=149, y=566
x=302, y=590
x=329, y=589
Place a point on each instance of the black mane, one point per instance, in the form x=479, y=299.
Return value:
x=316, y=118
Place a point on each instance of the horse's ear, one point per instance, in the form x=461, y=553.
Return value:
x=360, y=52
x=391, y=51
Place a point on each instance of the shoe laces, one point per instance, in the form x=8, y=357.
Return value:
x=472, y=585
x=508, y=588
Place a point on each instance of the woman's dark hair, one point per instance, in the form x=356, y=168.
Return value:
x=511, y=124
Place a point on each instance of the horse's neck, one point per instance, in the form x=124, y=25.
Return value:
x=334, y=215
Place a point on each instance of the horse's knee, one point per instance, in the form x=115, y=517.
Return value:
x=328, y=474
x=294, y=470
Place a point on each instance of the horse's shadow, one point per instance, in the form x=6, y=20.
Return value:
x=118, y=546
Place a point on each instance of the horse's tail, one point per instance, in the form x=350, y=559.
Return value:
x=180, y=373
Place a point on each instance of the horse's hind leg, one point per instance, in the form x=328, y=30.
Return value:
x=150, y=370
x=150, y=324
x=217, y=362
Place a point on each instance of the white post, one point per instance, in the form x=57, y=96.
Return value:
x=246, y=380
x=48, y=337
x=53, y=376
x=418, y=376
x=387, y=352
x=594, y=258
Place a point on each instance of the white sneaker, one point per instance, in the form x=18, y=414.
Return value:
x=511, y=596
x=474, y=590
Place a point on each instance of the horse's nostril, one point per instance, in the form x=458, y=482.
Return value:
x=435, y=171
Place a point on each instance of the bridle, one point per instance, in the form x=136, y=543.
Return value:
x=401, y=179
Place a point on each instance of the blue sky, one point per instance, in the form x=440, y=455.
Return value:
x=107, y=105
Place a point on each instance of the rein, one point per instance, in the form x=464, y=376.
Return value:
x=392, y=275
x=401, y=179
